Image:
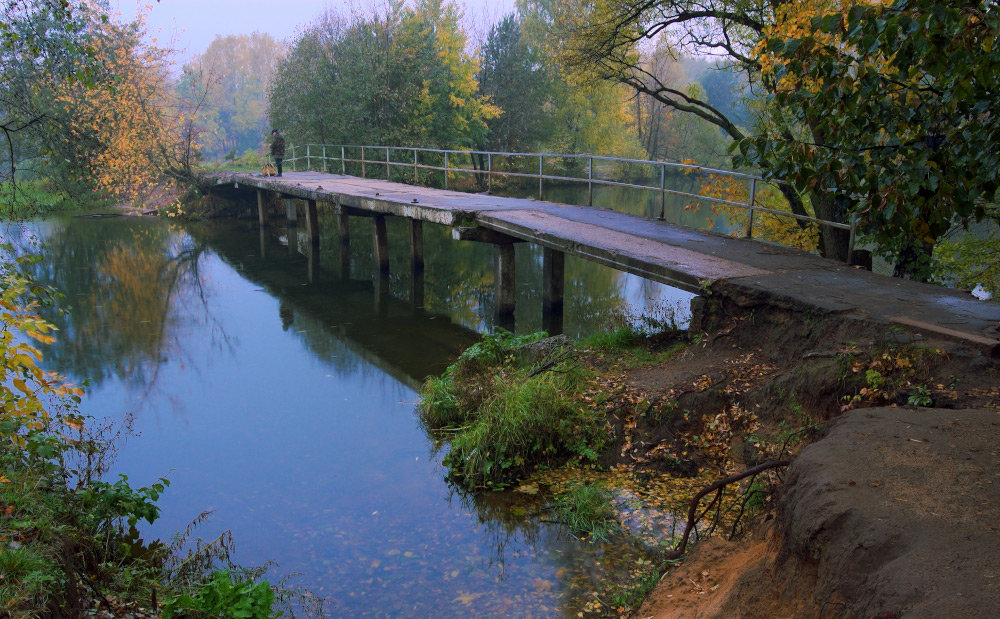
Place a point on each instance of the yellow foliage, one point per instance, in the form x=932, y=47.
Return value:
x=123, y=123
x=29, y=396
x=766, y=226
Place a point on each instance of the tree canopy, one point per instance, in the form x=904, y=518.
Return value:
x=901, y=102
x=402, y=77
x=86, y=101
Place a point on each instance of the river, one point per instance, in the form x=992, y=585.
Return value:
x=280, y=395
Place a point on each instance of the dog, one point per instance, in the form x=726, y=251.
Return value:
x=269, y=170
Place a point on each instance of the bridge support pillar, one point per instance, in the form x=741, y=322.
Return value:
x=312, y=223
x=553, y=286
x=416, y=245
x=291, y=214
x=344, y=234
x=416, y=263
x=381, y=292
x=380, y=242
x=263, y=242
x=261, y=218
x=504, y=283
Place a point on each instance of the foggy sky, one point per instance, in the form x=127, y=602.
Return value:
x=190, y=25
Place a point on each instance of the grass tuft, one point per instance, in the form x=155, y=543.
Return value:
x=587, y=510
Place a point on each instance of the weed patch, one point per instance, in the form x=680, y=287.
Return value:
x=506, y=411
x=587, y=509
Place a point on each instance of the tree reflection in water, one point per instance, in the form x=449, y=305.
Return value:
x=126, y=286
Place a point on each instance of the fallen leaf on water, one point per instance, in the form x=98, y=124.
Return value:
x=468, y=598
x=528, y=488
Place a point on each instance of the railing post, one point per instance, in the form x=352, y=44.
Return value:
x=753, y=196
x=324, y=159
x=489, y=172
x=293, y=159
x=388, y=176
x=343, y=161
x=416, y=177
x=363, y=162
x=590, y=181
x=540, y=180
x=308, y=162
x=663, y=192
x=445, y=169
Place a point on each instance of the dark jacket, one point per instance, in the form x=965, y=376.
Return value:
x=278, y=145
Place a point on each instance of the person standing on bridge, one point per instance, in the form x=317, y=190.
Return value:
x=277, y=148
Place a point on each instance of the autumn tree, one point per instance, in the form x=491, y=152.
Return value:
x=91, y=104
x=901, y=103
x=589, y=115
x=235, y=71
x=606, y=36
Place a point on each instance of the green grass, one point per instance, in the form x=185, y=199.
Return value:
x=630, y=347
x=588, y=511
x=502, y=421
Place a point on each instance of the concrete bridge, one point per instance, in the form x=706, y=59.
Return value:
x=700, y=262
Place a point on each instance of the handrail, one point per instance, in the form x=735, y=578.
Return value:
x=591, y=180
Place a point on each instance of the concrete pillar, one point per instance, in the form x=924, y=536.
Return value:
x=553, y=286
x=417, y=263
x=381, y=292
x=291, y=215
x=380, y=242
x=261, y=218
x=504, y=282
x=312, y=263
x=312, y=223
x=417, y=288
x=263, y=242
x=553, y=280
x=344, y=234
x=416, y=245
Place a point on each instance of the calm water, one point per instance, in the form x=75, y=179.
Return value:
x=280, y=394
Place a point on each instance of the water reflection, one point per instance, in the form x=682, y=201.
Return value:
x=285, y=404
x=128, y=285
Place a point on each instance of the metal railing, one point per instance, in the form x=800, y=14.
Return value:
x=324, y=153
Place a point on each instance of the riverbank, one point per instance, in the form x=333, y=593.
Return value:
x=890, y=502
x=769, y=383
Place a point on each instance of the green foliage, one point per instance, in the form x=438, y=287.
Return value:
x=587, y=509
x=503, y=418
x=108, y=504
x=517, y=80
x=898, y=101
x=970, y=260
x=920, y=397
x=616, y=340
x=222, y=597
x=401, y=77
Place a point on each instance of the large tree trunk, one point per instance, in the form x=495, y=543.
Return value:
x=834, y=243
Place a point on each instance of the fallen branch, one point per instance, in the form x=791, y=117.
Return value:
x=693, y=517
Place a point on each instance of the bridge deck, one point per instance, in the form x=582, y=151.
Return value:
x=689, y=259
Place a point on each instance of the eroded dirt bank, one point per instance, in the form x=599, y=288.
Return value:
x=894, y=513
x=891, y=507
